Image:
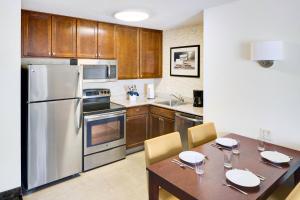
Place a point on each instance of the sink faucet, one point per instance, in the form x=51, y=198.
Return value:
x=179, y=97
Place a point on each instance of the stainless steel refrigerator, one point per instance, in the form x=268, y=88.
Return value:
x=51, y=123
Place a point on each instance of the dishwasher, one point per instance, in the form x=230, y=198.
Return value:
x=184, y=121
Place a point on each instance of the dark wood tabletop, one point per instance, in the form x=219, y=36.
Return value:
x=185, y=184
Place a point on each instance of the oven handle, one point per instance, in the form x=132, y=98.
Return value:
x=89, y=118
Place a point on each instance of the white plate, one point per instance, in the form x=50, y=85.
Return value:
x=275, y=157
x=227, y=142
x=191, y=157
x=242, y=178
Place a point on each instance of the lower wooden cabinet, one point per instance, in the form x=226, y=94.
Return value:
x=137, y=130
x=145, y=122
x=160, y=125
x=137, y=125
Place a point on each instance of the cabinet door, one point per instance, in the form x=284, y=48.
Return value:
x=36, y=34
x=136, y=130
x=106, y=41
x=63, y=36
x=86, y=39
x=168, y=126
x=150, y=53
x=155, y=125
x=127, y=41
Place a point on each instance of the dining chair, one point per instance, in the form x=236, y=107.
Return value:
x=201, y=134
x=160, y=148
x=295, y=194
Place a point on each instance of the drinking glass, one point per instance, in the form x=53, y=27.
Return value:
x=268, y=140
x=228, y=158
x=199, y=167
x=236, y=148
x=261, y=140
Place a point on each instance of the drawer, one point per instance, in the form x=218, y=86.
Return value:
x=139, y=110
x=163, y=112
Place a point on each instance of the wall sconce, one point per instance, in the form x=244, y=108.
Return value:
x=266, y=52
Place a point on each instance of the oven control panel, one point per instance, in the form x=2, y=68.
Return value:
x=94, y=93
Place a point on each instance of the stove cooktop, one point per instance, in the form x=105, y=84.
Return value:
x=96, y=108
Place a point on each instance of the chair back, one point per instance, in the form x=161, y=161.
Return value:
x=201, y=134
x=162, y=147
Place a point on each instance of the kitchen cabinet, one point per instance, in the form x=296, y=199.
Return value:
x=36, y=34
x=162, y=121
x=137, y=123
x=150, y=53
x=137, y=50
x=127, y=41
x=86, y=38
x=106, y=41
x=63, y=36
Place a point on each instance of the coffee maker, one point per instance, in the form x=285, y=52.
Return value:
x=198, y=98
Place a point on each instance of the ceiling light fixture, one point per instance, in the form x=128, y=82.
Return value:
x=131, y=15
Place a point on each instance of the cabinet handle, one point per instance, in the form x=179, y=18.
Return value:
x=96, y=55
x=49, y=53
x=53, y=53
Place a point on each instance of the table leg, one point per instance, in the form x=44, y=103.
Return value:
x=297, y=176
x=153, y=187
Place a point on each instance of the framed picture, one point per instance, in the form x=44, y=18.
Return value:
x=185, y=61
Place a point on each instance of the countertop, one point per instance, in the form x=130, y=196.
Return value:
x=140, y=101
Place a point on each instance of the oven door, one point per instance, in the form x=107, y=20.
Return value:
x=104, y=131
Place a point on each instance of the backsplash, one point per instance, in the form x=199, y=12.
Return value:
x=120, y=87
x=192, y=35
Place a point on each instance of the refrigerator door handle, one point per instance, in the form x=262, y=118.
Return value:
x=78, y=114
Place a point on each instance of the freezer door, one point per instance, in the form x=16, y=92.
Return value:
x=54, y=141
x=51, y=82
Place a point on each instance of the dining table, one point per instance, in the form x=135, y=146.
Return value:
x=185, y=184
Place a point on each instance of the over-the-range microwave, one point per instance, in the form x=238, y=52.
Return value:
x=98, y=70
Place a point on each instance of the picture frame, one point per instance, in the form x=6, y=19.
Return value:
x=185, y=61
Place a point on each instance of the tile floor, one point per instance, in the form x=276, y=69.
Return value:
x=125, y=179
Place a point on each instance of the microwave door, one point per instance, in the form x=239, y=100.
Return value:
x=95, y=73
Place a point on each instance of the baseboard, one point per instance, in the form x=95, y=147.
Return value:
x=134, y=149
x=13, y=194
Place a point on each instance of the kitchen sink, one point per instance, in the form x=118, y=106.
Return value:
x=171, y=103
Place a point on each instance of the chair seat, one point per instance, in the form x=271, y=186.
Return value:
x=164, y=195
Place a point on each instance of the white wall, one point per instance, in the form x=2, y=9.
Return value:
x=191, y=35
x=241, y=96
x=10, y=159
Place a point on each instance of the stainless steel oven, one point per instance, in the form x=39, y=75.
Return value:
x=104, y=131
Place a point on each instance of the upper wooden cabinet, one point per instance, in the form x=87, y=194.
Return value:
x=106, y=41
x=137, y=50
x=86, y=39
x=36, y=34
x=127, y=42
x=150, y=53
x=63, y=36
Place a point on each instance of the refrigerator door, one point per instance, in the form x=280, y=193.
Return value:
x=54, y=141
x=52, y=82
